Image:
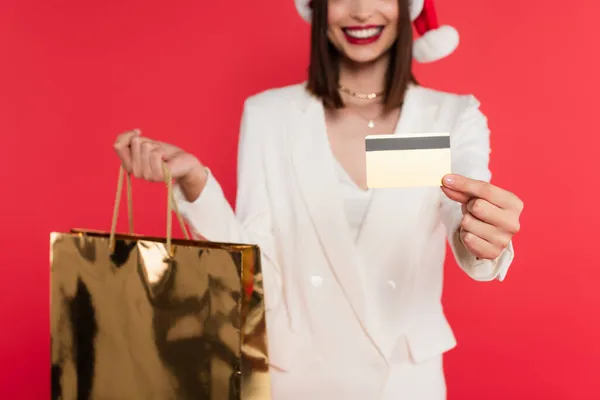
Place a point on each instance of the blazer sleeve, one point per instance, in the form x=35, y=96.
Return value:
x=212, y=217
x=470, y=146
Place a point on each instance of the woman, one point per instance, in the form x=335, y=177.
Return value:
x=353, y=276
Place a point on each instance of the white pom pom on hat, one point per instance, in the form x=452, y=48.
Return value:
x=434, y=42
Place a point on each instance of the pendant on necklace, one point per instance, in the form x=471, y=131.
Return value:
x=371, y=124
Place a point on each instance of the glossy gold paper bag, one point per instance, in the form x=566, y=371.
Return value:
x=140, y=318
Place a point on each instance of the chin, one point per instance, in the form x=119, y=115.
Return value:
x=364, y=57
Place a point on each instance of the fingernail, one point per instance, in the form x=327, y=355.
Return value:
x=449, y=180
x=137, y=131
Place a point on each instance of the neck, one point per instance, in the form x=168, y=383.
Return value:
x=364, y=77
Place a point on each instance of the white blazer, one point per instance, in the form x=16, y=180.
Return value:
x=332, y=333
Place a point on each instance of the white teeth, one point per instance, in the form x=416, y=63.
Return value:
x=363, y=33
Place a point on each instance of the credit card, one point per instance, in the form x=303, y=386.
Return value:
x=410, y=160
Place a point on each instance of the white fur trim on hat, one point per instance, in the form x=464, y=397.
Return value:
x=305, y=11
x=435, y=44
x=303, y=7
x=416, y=6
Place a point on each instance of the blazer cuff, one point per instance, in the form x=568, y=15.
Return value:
x=478, y=269
x=209, y=213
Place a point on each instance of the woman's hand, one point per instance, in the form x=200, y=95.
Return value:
x=143, y=157
x=490, y=215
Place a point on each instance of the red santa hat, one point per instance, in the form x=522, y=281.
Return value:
x=434, y=42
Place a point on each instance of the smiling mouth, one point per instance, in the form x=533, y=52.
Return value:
x=362, y=33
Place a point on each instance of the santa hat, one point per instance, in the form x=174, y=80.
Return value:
x=434, y=42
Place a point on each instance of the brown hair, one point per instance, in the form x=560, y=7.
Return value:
x=323, y=71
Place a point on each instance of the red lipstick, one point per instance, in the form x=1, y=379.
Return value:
x=362, y=35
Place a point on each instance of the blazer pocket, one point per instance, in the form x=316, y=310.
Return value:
x=431, y=337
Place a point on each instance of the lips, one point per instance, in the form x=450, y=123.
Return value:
x=362, y=35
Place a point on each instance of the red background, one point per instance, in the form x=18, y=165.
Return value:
x=73, y=74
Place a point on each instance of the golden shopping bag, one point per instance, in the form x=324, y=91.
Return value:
x=142, y=318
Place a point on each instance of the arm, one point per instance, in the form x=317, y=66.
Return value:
x=212, y=217
x=470, y=158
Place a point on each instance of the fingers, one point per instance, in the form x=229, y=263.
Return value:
x=150, y=161
x=144, y=158
x=121, y=146
x=147, y=148
x=479, y=247
x=141, y=156
x=156, y=164
x=485, y=231
x=484, y=190
x=485, y=211
x=136, y=162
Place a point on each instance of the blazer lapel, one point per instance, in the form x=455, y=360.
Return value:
x=315, y=172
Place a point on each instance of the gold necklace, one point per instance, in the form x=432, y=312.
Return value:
x=370, y=121
x=362, y=96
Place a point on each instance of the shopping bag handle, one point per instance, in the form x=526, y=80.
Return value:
x=171, y=207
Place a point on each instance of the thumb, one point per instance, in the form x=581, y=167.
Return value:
x=456, y=196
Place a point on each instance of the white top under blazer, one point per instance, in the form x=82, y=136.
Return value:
x=348, y=313
x=356, y=201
